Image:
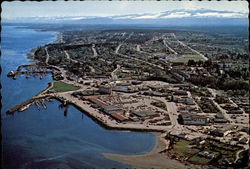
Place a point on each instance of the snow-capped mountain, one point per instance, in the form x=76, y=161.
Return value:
x=174, y=17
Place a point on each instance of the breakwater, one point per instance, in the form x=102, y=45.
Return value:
x=21, y=106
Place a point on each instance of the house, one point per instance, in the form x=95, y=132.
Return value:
x=180, y=92
x=183, y=85
x=184, y=74
x=178, y=77
x=206, y=154
x=221, y=132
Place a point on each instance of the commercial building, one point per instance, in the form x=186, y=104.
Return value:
x=105, y=90
x=192, y=119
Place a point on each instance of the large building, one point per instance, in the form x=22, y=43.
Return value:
x=105, y=90
x=192, y=119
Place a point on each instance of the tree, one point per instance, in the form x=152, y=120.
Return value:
x=191, y=62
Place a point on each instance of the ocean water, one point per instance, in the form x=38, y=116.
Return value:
x=49, y=138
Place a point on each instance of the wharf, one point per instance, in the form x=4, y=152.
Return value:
x=21, y=106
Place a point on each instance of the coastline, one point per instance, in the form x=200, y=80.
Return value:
x=153, y=159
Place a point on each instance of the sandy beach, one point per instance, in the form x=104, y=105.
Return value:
x=150, y=160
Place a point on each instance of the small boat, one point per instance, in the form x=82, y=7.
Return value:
x=24, y=107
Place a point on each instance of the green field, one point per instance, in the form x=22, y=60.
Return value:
x=199, y=160
x=59, y=86
x=182, y=149
x=185, y=58
x=187, y=150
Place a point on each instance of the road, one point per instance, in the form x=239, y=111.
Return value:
x=193, y=50
x=172, y=110
x=138, y=48
x=68, y=57
x=113, y=75
x=94, y=50
x=48, y=56
x=129, y=36
x=117, y=48
x=172, y=50
x=154, y=65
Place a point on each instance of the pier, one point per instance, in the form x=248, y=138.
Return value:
x=22, y=106
x=33, y=69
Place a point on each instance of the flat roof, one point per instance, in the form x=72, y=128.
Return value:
x=145, y=113
x=97, y=101
x=118, y=116
x=111, y=107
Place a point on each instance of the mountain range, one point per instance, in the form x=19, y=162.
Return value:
x=180, y=17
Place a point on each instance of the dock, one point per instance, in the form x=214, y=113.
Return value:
x=21, y=106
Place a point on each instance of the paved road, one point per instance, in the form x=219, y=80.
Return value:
x=138, y=49
x=93, y=49
x=154, y=65
x=172, y=50
x=117, y=48
x=193, y=50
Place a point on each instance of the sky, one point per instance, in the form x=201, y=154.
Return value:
x=110, y=8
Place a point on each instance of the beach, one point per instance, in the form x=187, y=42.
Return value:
x=153, y=159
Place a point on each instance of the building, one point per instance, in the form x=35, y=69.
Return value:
x=136, y=82
x=183, y=85
x=181, y=92
x=192, y=119
x=105, y=90
x=235, y=112
x=178, y=77
x=183, y=100
x=97, y=101
x=221, y=132
x=184, y=74
x=118, y=117
x=109, y=109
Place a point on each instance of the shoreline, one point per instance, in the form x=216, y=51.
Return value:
x=98, y=118
x=153, y=159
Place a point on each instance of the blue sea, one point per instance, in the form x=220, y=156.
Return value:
x=47, y=138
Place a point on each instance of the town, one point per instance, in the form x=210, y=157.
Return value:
x=185, y=85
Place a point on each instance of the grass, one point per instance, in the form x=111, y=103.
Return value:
x=185, y=58
x=183, y=149
x=59, y=86
x=199, y=160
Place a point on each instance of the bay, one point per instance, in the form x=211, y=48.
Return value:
x=48, y=138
